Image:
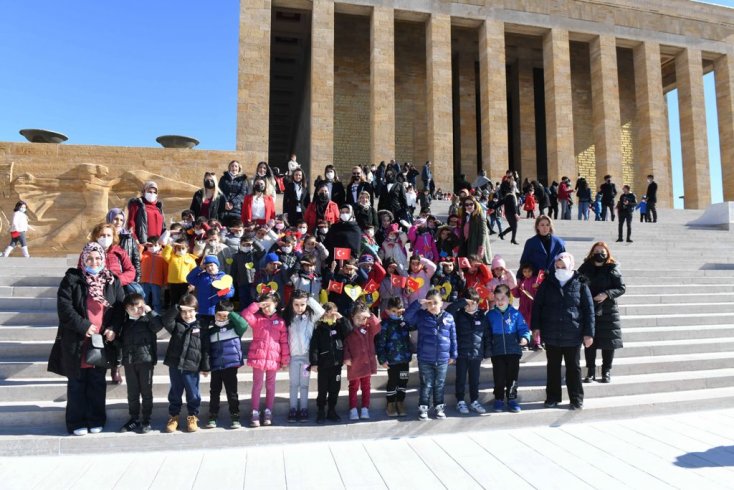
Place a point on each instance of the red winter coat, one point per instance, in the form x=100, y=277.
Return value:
x=359, y=347
x=331, y=215
x=269, y=348
x=529, y=202
x=247, y=209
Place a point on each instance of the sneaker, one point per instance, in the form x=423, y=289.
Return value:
x=392, y=409
x=577, y=406
x=548, y=404
x=235, y=423
x=81, y=431
x=333, y=416
x=172, y=424
x=365, y=413
x=145, y=427
x=353, y=414
x=268, y=417
x=462, y=408
x=211, y=423
x=513, y=406
x=303, y=415
x=498, y=405
x=423, y=412
x=255, y=420
x=477, y=407
x=95, y=430
x=440, y=414
x=130, y=426
x=192, y=423
x=292, y=416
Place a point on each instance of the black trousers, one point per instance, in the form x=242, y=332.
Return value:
x=139, y=385
x=176, y=292
x=607, y=357
x=330, y=382
x=625, y=217
x=553, y=210
x=228, y=377
x=604, y=206
x=571, y=356
x=505, y=370
x=397, y=381
x=652, y=213
x=471, y=367
x=512, y=224
x=85, y=399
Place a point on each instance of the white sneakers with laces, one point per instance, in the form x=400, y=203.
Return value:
x=462, y=408
x=353, y=414
x=365, y=413
x=477, y=407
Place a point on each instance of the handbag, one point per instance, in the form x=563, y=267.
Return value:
x=96, y=352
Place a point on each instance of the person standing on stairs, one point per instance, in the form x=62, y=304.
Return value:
x=18, y=228
x=625, y=208
x=606, y=285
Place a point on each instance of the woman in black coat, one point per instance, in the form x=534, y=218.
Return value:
x=296, y=197
x=392, y=197
x=89, y=301
x=563, y=316
x=208, y=201
x=606, y=285
x=344, y=234
x=336, y=188
x=234, y=187
x=364, y=213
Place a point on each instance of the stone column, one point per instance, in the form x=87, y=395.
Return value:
x=605, y=109
x=528, y=151
x=558, y=105
x=253, y=87
x=382, y=84
x=654, y=150
x=439, y=100
x=724, y=73
x=322, y=84
x=493, y=98
x=694, y=141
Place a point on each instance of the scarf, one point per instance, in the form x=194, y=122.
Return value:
x=96, y=283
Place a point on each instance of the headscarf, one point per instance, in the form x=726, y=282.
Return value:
x=96, y=283
x=321, y=202
x=567, y=259
x=112, y=214
x=351, y=212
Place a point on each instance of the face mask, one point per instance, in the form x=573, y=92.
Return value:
x=93, y=270
x=345, y=216
x=302, y=231
x=504, y=307
x=239, y=234
x=22, y=209
x=393, y=316
x=151, y=197
x=279, y=226
x=260, y=187
x=233, y=174
x=600, y=257
x=181, y=253
x=330, y=321
x=209, y=184
x=323, y=231
x=563, y=275
x=287, y=250
x=133, y=317
x=323, y=197
x=105, y=241
x=200, y=232
x=221, y=324
x=155, y=249
x=246, y=249
x=329, y=175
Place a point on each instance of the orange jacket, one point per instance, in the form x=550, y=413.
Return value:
x=153, y=269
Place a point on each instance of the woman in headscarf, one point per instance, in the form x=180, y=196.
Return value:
x=563, y=316
x=208, y=201
x=145, y=214
x=234, y=186
x=322, y=208
x=89, y=302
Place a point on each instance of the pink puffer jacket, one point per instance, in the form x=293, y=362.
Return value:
x=269, y=348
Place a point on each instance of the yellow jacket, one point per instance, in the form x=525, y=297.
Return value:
x=179, y=266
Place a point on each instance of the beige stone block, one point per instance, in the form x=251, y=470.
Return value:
x=605, y=108
x=382, y=84
x=439, y=99
x=724, y=74
x=322, y=83
x=558, y=105
x=493, y=97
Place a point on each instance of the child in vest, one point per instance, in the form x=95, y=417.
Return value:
x=421, y=270
x=137, y=338
x=307, y=279
x=509, y=334
x=268, y=352
x=243, y=271
x=393, y=353
x=186, y=357
x=18, y=228
x=436, y=350
x=225, y=358
x=326, y=355
x=153, y=273
x=180, y=263
x=208, y=296
x=526, y=290
x=301, y=316
x=359, y=357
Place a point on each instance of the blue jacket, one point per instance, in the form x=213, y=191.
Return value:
x=225, y=343
x=436, y=334
x=564, y=315
x=393, y=342
x=534, y=253
x=206, y=294
x=472, y=331
x=508, y=329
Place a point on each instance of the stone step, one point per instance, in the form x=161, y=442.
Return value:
x=631, y=298
x=27, y=304
x=640, y=334
x=50, y=280
x=677, y=319
x=28, y=292
x=672, y=309
x=663, y=290
x=19, y=318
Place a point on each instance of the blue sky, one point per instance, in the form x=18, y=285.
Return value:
x=123, y=73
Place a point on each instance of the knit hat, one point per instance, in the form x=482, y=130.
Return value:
x=272, y=258
x=366, y=259
x=567, y=259
x=498, y=262
x=211, y=259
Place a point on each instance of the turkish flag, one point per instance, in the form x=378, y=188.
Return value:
x=413, y=284
x=342, y=253
x=336, y=287
x=484, y=293
x=398, y=281
x=541, y=277
x=370, y=287
x=223, y=292
x=464, y=263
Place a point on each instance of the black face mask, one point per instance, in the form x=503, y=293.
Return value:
x=390, y=178
x=322, y=198
x=600, y=257
x=260, y=188
x=209, y=184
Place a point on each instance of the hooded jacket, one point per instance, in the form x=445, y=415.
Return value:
x=327, y=343
x=188, y=349
x=473, y=338
x=269, y=349
x=225, y=343
x=436, y=334
x=506, y=330
x=608, y=325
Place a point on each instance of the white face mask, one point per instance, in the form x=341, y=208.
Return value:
x=155, y=249
x=287, y=250
x=239, y=234
x=151, y=197
x=133, y=317
x=246, y=249
x=105, y=241
x=302, y=231
x=345, y=216
x=221, y=324
x=563, y=275
x=22, y=209
x=181, y=253
x=329, y=175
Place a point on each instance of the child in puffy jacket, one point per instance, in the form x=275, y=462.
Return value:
x=301, y=315
x=393, y=353
x=269, y=351
x=359, y=357
x=501, y=275
x=526, y=290
x=208, y=296
x=421, y=270
x=422, y=240
x=436, y=349
x=509, y=334
x=225, y=357
x=180, y=263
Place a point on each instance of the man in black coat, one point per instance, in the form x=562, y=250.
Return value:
x=608, y=192
x=652, y=198
x=392, y=197
x=626, y=206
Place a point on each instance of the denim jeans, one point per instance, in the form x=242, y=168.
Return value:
x=181, y=381
x=583, y=212
x=433, y=378
x=152, y=296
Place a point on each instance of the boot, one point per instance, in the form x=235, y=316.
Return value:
x=172, y=423
x=590, y=375
x=25, y=251
x=392, y=409
x=115, y=375
x=7, y=252
x=401, y=409
x=320, y=416
x=332, y=415
x=192, y=423
x=606, y=375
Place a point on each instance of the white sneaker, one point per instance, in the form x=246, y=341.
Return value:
x=477, y=407
x=462, y=408
x=365, y=413
x=353, y=414
x=423, y=412
x=82, y=431
x=95, y=430
x=439, y=411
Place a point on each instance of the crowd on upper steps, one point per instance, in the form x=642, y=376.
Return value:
x=356, y=273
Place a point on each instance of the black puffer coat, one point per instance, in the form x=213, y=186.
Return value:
x=473, y=336
x=138, y=339
x=327, y=349
x=188, y=349
x=127, y=243
x=234, y=190
x=564, y=315
x=73, y=323
x=605, y=279
x=216, y=206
